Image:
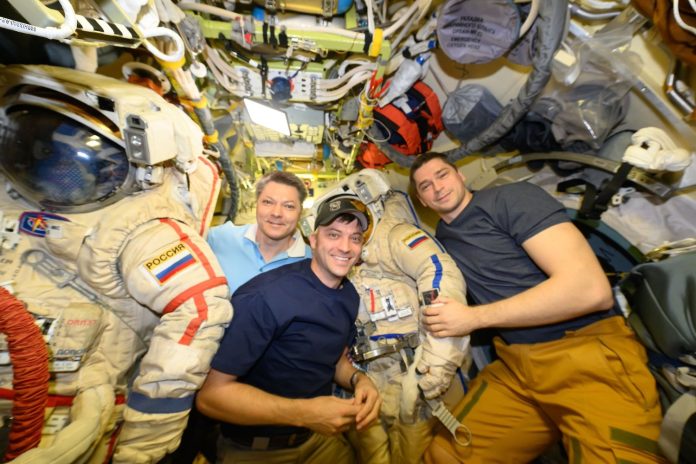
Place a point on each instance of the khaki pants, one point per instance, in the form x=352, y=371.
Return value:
x=319, y=449
x=398, y=444
x=592, y=388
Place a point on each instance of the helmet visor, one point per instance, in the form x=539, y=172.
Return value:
x=59, y=163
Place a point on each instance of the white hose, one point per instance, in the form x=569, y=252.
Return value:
x=203, y=8
x=678, y=18
x=223, y=72
x=345, y=63
x=327, y=84
x=404, y=30
x=187, y=83
x=420, y=6
x=370, y=17
x=64, y=31
x=178, y=52
x=533, y=13
x=214, y=56
x=221, y=78
x=332, y=95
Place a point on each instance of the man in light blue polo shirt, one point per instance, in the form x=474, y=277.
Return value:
x=244, y=252
x=248, y=250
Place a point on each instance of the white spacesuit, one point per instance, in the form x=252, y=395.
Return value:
x=106, y=206
x=401, y=268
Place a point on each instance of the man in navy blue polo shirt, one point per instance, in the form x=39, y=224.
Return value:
x=245, y=251
x=271, y=379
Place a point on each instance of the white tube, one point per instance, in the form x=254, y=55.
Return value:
x=64, y=31
x=533, y=12
x=214, y=56
x=178, y=52
x=679, y=20
x=187, y=83
x=419, y=5
x=326, y=96
x=344, y=64
x=327, y=84
x=223, y=79
x=404, y=30
x=370, y=17
x=203, y=8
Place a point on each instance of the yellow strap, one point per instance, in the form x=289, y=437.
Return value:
x=376, y=44
x=200, y=103
x=173, y=64
x=212, y=138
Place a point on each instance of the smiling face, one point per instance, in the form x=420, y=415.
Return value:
x=336, y=248
x=278, y=210
x=441, y=187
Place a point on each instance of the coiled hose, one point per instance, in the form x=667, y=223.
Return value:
x=29, y=359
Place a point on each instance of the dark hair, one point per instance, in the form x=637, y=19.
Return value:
x=344, y=218
x=285, y=178
x=420, y=161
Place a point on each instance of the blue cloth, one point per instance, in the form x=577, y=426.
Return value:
x=486, y=241
x=238, y=253
x=286, y=336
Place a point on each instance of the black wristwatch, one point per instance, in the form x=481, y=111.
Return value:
x=354, y=378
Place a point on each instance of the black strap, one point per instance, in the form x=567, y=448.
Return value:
x=264, y=74
x=273, y=39
x=283, y=37
x=687, y=448
x=596, y=201
x=368, y=42
x=600, y=204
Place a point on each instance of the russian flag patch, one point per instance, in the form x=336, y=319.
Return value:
x=169, y=262
x=415, y=239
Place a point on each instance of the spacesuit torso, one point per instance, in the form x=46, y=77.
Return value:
x=106, y=287
x=400, y=263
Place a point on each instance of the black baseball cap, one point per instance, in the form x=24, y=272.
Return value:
x=331, y=209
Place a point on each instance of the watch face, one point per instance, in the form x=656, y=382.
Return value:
x=429, y=296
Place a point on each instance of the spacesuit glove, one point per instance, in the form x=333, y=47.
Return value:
x=410, y=393
x=436, y=374
x=89, y=416
x=147, y=438
x=654, y=150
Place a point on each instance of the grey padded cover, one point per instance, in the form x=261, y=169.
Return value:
x=663, y=295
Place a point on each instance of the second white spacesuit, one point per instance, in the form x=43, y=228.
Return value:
x=131, y=300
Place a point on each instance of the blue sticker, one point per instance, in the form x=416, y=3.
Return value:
x=34, y=222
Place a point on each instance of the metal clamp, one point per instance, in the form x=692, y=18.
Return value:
x=360, y=354
x=450, y=422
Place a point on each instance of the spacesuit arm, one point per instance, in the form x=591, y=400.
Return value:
x=169, y=268
x=422, y=259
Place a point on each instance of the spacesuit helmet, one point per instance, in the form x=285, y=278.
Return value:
x=74, y=141
x=368, y=187
x=60, y=156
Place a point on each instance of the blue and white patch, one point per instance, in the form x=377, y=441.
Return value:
x=34, y=223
